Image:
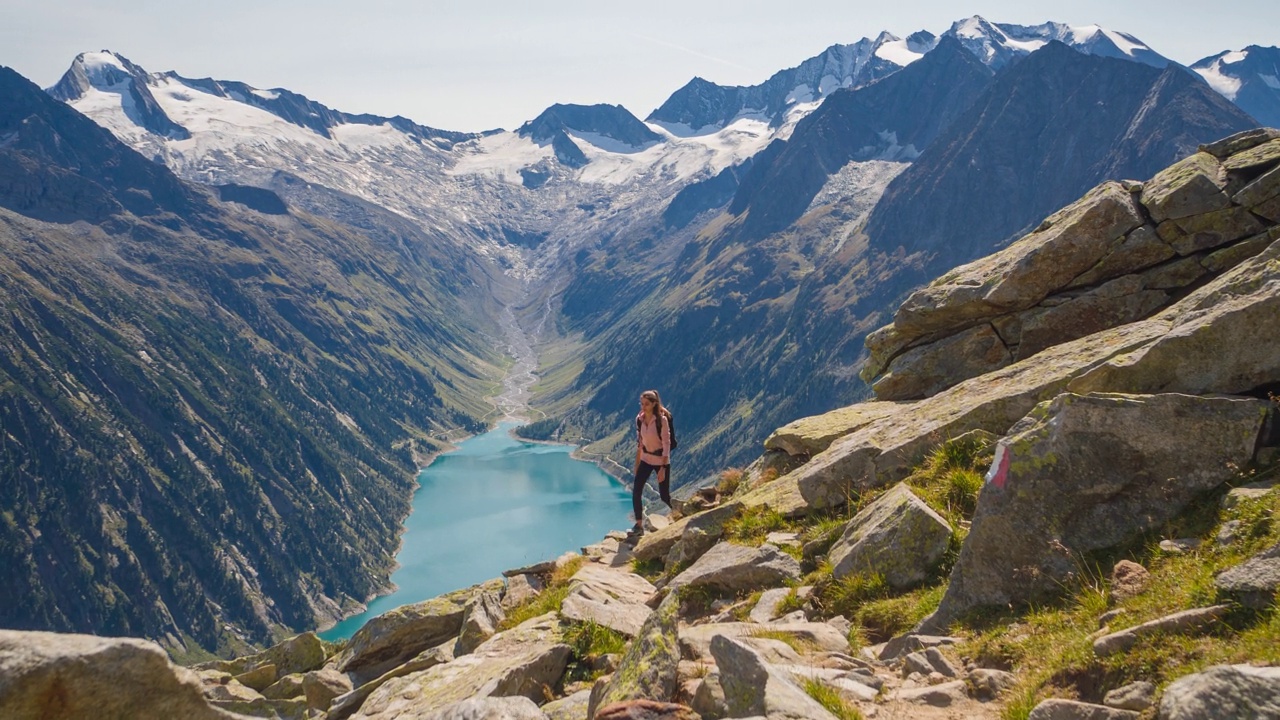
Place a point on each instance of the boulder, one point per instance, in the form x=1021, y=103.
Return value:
x=1055, y=709
x=488, y=708
x=1267, y=153
x=1223, y=691
x=259, y=678
x=1210, y=230
x=1253, y=583
x=646, y=710
x=1068, y=243
x=1140, y=249
x=701, y=533
x=753, y=687
x=1264, y=188
x=943, y=694
x=519, y=661
x=521, y=589
x=1087, y=472
x=708, y=700
x=400, y=634
x=766, y=608
x=735, y=568
x=928, y=369
x=83, y=677
x=1191, y=186
x=648, y=669
x=1179, y=622
x=480, y=619
x=1188, y=357
x=1136, y=696
x=987, y=684
x=1122, y=300
x=322, y=686
x=695, y=640
x=571, y=707
x=811, y=435
x=299, y=654
x=897, y=536
x=609, y=597
x=1239, y=142
x=345, y=705
x=287, y=687
x=656, y=545
x=885, y=451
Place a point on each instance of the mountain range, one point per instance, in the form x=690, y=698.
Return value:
x=264, y=268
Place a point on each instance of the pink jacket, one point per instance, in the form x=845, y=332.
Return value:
x=648, y=437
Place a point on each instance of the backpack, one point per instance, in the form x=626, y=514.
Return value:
x=671, y=425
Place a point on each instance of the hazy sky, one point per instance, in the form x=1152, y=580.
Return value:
x=497, y=63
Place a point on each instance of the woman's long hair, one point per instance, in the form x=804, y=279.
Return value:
x=658, y=409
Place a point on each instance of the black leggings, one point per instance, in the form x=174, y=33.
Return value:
x=664, y=487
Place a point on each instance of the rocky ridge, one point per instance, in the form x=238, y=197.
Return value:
x=1094, y=444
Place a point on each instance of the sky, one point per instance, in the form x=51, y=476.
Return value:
x=484, y=64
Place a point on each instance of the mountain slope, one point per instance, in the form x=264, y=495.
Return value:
x=1007, y=163
x=211, y=415
x=1250, y=78
x=790, y=310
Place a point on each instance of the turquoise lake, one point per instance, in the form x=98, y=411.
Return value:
x=494, y=504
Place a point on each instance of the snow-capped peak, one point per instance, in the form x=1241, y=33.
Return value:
x=996, y=44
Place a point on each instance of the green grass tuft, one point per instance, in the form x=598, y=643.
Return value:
x=831, y=699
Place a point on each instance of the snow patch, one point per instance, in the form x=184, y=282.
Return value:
x=266, y=94
x=1271, y=81
x=1127, y=45
x=801, y=93
x=1234, y=57
x=1226, y=85
x=898, y=53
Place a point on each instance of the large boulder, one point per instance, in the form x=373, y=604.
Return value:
x=736, y=568
x=1190, y=186
x=1067, y=244
x=299, y=654
x=752, y=687
x=518, y=661
x=1190, y=356
x=398, y=635
x=609, y=597
x=83, y=677
x=1223, y=691
x=1087, y=472
x=701, y=533
x=648, y=670
x=488, y=708
x=897, y=536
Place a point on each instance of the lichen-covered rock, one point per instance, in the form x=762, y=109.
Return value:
x=897, y=536
x=1239, y=142
x=695, y=640
x=1264, y=188
x=345, y=705
x=322, y=686
x=737, y=568
x=1190, y=186
x=1190, y=355
x=612, y=598
x=1083, y=473
x=397, y=635
x=656, y=545
x=923, y=371
x=1223, y=691
x=1265, y=154
x=1136, y=696
x=299, y=654
x=1070, y=242
x=1180, y=622
x=571, y=707
x=701, y=533
x=519, y=661
x=1209, y=230
x=884, y=451
x=1140, y=249
x=287, y=687
x=648, y=669
x=811, y=435
x=83, y=677
x=521, y=588
x=480, y=619
x=753, y=687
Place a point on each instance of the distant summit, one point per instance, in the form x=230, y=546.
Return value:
x=106, y=78
x=610, y=121
x=1250, y=78
x=702, y=106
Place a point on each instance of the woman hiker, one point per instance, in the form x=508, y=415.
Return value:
x=653, y=453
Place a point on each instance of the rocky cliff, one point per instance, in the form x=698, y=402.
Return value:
x=1117, y=560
